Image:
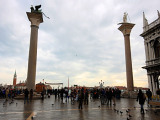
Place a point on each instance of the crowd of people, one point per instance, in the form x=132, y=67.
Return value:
x=6, y=93
x=9, y=93
x=106, y=96
x=83, y=95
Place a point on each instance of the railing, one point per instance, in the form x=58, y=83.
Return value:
x=151, y=25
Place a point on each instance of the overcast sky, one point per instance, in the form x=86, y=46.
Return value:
x=80, y=40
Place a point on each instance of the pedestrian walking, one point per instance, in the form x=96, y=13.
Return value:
x=55, y=93
x=86, y=97
x=31, y=94
x=26, y=92
x=80, y=99
x=62, y=94
x=109, y=96
x=102, y=96
x=7, y=92
x=149, y=95
x=141, y=98
x=113, y=96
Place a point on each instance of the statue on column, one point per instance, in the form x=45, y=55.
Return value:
x=36, y=8
x=125, y=17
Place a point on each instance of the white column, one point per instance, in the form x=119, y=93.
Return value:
x=35, y=19
x=149, y=52
x=149, y=83
x=146, y=51
x=153, y=84
x=152, y=52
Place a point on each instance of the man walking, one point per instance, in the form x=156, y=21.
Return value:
x=149, y=95
x=26, y=92
x=141, y=98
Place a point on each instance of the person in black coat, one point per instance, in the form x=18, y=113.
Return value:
x=109, y=96
x=26, y=92
x=80, y=99
x=149, y=95
x=31, y=94
x=141, y=98
x=86, y=97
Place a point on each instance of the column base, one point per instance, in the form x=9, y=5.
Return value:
x=129, y=94
x=35, y=97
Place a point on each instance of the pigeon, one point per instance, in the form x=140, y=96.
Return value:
x=146, y=110
x=115, y=110
x=130, y=116
x=121, y=112
x=155, y=111
x=127, y=111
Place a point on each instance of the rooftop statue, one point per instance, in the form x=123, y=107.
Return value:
x=36, y=8
x=125, y=17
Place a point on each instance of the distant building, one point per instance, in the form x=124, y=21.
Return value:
x=151, y=35
x=123, y=88
x=14, y=79
x=41, y=86
x=142, y=88
x=20, y=85
x=48, y=87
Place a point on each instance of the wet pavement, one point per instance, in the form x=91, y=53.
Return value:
x=51, y=109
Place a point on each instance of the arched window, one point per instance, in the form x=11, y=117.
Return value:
x=157, y=49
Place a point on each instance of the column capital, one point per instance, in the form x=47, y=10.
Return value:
x=126, y=28
x=35, y=18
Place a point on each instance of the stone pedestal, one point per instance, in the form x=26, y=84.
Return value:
x=35, y=18
x=35, y=97
x=126, y=28
x=129, y=94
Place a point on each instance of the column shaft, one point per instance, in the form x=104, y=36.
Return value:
x=154, y=86
x=32, y=58
x=128, y=63
x=146, y=51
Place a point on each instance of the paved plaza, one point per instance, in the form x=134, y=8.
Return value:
x=51, y=109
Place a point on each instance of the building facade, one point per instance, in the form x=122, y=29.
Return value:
x=151, y=35
x=21, y=86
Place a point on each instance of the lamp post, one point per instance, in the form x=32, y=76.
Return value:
x=101, y=84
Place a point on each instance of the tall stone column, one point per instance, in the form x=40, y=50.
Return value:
x=126, y=28
x=35, y=18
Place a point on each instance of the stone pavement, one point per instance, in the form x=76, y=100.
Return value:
x=51, y=109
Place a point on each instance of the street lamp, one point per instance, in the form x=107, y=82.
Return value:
x=43, y=81
x=101, y=84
